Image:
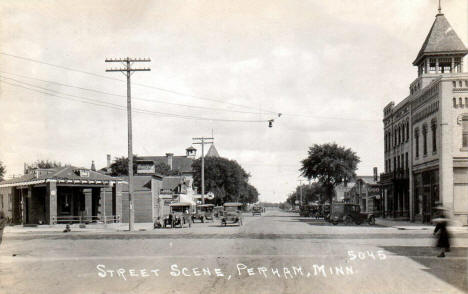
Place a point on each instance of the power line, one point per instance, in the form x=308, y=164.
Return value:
x=171, y=103
x=138, y=84
x=120, y=107
x=137, y=98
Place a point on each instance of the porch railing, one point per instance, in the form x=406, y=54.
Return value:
x=70, y=219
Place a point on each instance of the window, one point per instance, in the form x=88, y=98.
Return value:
x=434, y=136
x=454, y=84
x=445, y=65
x=455, y=102
x=406, y=160
x=1, y=201
x=407, y=131
x=399, y=135
x=424, y=133
x=465, y=132
x=416, y=142
x=457, y=64
x=460, y=102
x=466, y=101
x=432, y=65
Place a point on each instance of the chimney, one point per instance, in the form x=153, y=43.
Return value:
x=169, y=157
x=108, y=161
x=93, y=167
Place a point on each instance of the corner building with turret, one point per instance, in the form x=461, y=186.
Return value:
x=426, y=134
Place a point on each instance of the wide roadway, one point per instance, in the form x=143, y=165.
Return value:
x=277, y=252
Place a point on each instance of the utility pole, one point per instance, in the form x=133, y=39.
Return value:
x=127, y=71
x=300, y=184
x=201, y=141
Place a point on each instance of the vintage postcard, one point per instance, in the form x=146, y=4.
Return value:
x=247, y=147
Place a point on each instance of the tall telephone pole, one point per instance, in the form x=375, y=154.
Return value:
x=127, y=71
x=201, y=141
x=300, y=184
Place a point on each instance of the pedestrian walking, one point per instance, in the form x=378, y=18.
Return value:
x=443, y=237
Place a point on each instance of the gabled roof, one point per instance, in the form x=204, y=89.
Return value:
x=212, y=152
x=441, y=39
x=172, y=182
x=181, y=163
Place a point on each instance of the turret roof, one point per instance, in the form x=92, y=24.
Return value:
x=442, y=39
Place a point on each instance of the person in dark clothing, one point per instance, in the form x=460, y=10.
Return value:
x=443, y=237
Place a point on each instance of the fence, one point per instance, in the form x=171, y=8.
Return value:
x=70, y=219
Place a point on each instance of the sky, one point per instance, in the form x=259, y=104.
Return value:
x=329, y=67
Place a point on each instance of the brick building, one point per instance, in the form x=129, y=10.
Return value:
x=62, y=194
x=426, y=134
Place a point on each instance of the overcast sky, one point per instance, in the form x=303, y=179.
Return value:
x=329, y=66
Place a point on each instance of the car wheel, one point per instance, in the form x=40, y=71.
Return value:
x=372, y=220
x=334, y=223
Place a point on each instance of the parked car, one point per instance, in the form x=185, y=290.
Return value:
x=348, y=213
x=218, y=211
x=232, y=213
x=179, y=215
x=257, y=210
x=203, y=212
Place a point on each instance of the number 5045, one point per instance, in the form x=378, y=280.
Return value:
x=361, y=255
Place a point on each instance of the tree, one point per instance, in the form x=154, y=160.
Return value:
x=2, y=171
x=330, y=164
x=226, y=179
x=310, y=193
x=165, y=170
x=41, y=164
x=120, y=166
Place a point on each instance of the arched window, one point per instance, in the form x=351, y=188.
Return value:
x=407, y=131
x=460, y=102
x=416, y=142
x=399, y=135
x=455, y=102
x=424, y=133
x=434, y=135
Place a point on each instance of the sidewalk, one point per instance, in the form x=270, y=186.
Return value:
x=406, y=225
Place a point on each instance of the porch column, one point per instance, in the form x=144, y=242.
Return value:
x=24, y=206
x=51, y=202
x=117, y=199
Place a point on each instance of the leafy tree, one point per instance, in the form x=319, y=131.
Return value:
x=330, y=164
x=310, y=193
x=2, y=171
x=226, y=179
x=41, y=164
x=165, y=170
x=120, y=166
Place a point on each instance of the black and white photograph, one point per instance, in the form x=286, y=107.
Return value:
x=233, y=146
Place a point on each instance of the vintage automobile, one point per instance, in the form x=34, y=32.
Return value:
x=257, y=210
x=218, y=211
x=348, y=213
x=232, y=213
x=203, y=212
x=179, y=215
